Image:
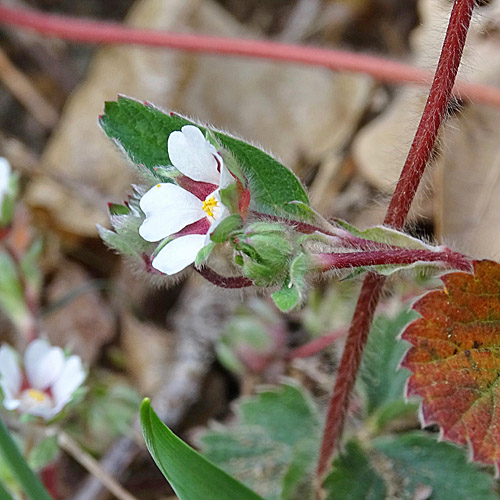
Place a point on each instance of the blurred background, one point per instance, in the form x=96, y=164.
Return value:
x=193, y=349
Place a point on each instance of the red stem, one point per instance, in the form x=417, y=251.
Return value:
x=328, y=261
x=224, y=281
x=316, y=345
x=397, y=212
x=383, y=70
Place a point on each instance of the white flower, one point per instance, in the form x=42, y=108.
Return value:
x=189, y=210
x=4, y=179
x=46, y=384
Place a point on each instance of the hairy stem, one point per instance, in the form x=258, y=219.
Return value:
x=418, y=157
x=328, y=261
x=224, y=281
x=383, y=70
x=316, y=345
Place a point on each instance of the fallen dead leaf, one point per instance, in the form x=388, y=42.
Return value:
x=83, y=320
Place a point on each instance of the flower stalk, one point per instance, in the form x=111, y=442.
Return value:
x=418, y=157
x=330, y=261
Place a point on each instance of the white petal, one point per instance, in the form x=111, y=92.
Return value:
x=4, y=177
x=168, y=209
x=193, y=155
x=10, y=373
x=226, y=178
x=71, y=377
x=11, y=403
x=179, y=253
x=43, y=363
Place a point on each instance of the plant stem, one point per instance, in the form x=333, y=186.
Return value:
x=397, y=212
x=316, y=345
x=224, y=281
x=383, y=70
x=328, y=261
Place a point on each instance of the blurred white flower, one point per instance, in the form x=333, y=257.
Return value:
x=4, y=178
x=191, y=210
x=45, y=384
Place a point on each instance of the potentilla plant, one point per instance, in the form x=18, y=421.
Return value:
x=207, y=193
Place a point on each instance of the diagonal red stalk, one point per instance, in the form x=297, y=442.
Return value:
x=413, y=169
x=86, y=31
x=329, y=261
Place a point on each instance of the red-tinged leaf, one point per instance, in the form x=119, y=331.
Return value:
x=456, y=359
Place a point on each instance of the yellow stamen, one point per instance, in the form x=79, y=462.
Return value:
x=37, y=395
x=209, y=205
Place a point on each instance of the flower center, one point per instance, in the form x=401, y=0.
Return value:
x=33, y=400
x=210, y=205
x=37, y=395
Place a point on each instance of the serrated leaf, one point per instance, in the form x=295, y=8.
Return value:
x=353, y=477
x=420, y=461
x=382, y=380
x=274, y=444
x=191, y=476
x=456, y=359
x=142, y=132
x=286, y=412
x=248, y=454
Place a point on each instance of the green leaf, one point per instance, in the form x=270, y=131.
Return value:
x=387, y=235
x=11, y=293
x=204, y=253
x=19, y=468
x=286, y=412
x=274, y=444
x=43, y=453
x=272, y=185
x=419, y=460
x=250, y=455
x=117, y=209
x=142, y=132
x=286, y=298
x=353, y=477
x=227, y=226
x=298, y=482
x=293, y=290
x=4, y=494
x=191, y=476
x=382, y=380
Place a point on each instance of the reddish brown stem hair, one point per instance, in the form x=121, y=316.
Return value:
x=329, y=261
x=418, y=157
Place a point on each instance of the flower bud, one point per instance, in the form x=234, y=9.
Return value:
x=266, y=252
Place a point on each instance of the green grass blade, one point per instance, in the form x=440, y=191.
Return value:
x=191, y=476
x=30, y=483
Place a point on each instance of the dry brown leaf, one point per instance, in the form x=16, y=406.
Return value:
x=149, y=352
x=85, y=321
x=289, y=109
